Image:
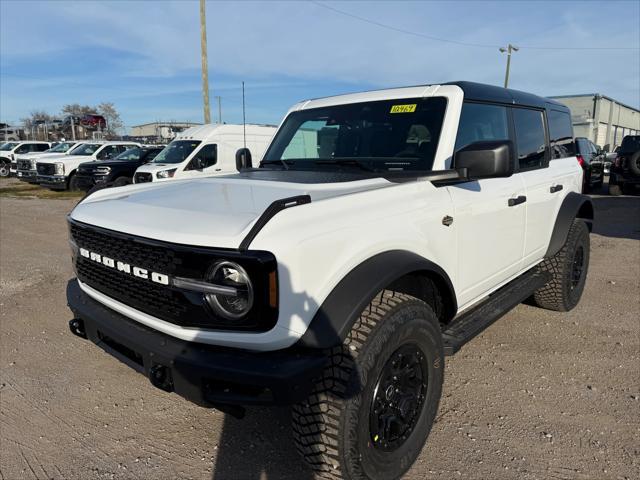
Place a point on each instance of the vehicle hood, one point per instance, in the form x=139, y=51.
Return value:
x=214, y=211
x=61, y=157
x=38, y=155
x=156, y=167
x=114, y=163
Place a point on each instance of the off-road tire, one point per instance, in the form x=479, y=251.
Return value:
x=634, y=163
x=121, y=182
x=331, y=427
x=615, y=190
x=563, y=291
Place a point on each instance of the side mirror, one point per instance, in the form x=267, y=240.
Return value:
x=243, y=159
x=486, y=159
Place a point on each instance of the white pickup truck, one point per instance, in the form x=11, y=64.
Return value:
x=381, y=231
x=58, y=172
x=26, y=164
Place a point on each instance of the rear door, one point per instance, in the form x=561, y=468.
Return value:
x=490, y=233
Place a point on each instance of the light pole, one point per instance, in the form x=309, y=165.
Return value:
x=219, y=99
x=510, y=48
x=205, y=68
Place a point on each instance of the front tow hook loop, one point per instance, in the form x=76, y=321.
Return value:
x=77, y=328
x=160, y=377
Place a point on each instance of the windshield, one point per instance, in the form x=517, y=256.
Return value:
x=389, y=135
x=86, y=149
x=61, y=147
x=8, y=146
x=134, y=153
x=177, y=151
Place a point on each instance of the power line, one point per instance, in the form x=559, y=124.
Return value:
x=455, y=42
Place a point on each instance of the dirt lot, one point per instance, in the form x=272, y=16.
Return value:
x=539, y=395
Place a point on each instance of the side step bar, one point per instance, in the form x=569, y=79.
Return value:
x=471, y=323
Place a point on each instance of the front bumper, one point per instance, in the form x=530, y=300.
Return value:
x=54, y=182
x=30, y=176
x=87, y=182
x=204, y=374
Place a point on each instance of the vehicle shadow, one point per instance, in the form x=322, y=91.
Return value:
x=617, y=217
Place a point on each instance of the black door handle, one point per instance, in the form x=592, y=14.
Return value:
x=517, y=201
x=555, y=188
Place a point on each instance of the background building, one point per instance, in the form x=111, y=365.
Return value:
x=601, y=119
x=162, y=131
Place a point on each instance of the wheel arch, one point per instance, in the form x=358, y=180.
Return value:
x=574, y=205
x=402, y=270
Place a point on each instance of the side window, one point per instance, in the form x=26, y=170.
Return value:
x=481, y=122
x=205, y=157
x=108, y=152
x=560, y=134
x=41, y=147
x=23, y=149
x=530, y=138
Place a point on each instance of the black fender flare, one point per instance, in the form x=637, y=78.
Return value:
x=337, y=314
x=574, y=205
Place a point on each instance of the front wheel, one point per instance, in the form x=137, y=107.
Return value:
x=4, y=169
x=371, y=412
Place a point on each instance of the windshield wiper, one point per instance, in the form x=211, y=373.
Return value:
x=284, y=163
x=345, y=161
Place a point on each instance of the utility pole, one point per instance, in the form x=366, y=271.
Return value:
x=73, y=130
x=510, y=48
x=205, y=67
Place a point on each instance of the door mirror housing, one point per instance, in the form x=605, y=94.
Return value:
x=485, y=159
x=243, y=159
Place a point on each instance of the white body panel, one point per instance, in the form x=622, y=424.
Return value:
x=317, y=244
x=228, y=139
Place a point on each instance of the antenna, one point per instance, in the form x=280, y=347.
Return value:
x=244, y=121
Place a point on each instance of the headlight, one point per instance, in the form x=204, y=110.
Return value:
x=59, y=168
x=230, y=274
x=103, y=170
x=33, y=164
x=166, y=173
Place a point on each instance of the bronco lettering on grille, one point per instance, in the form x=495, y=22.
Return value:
x=125, y=267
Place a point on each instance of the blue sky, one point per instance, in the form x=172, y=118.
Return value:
x=144, y=56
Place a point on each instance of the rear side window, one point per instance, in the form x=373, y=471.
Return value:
x=560, y=134
x=530, y=138
x=479, y=122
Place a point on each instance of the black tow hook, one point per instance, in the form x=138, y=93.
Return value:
x=77, y=328
x=160, y=377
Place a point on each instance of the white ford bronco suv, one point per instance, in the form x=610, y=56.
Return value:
x=379, y=233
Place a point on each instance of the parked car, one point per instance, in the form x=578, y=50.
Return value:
x=59, y=172
x=9, y=134
x=9, y=151
x=26, y=164
x=205, y=150
x=592, y=162
x=625, y=170
x=116, y=172
x=382, y=231
x=93, y=121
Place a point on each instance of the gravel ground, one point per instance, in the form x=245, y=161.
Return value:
x=539, y=395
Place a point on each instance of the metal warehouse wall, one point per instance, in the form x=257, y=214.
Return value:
x=601, y=119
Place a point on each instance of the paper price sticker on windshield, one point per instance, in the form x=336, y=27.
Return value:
x=403, y=108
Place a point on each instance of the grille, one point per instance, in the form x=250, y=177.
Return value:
x=181, y=307
x=24, y=164
x=85, y=170
x=143, y=177
x=127, y=250
x=46, y=168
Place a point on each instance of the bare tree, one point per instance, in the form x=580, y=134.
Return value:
x=111, y=115
x=77, y=109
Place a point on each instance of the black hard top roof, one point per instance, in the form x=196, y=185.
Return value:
x=491, y=93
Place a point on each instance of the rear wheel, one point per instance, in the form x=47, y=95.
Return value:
x=371, y=412
x=568, y=269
